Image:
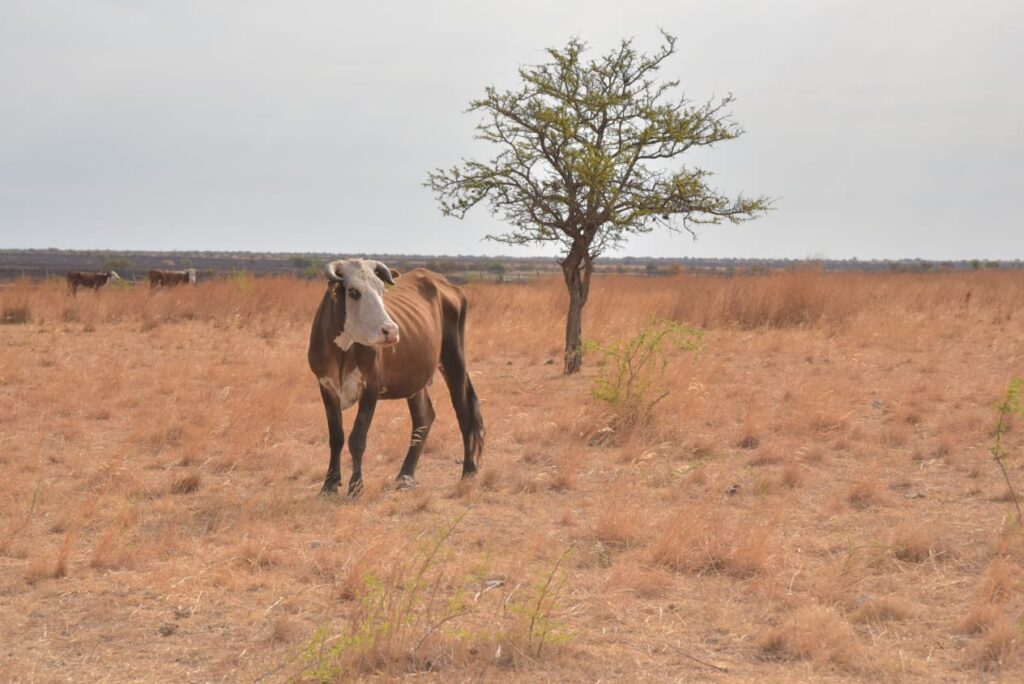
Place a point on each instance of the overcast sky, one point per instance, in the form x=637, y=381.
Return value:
x=884, y=129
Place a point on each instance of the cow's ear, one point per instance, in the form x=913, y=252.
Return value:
x=395, y=273
x=384, y=273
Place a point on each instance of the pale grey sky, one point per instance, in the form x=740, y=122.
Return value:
x=884, y=129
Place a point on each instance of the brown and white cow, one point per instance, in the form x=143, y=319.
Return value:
x=94, y=281
x=375, y=339
x=171, y=278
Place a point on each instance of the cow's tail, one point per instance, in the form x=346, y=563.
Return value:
x=476, y=432
x=464, y=399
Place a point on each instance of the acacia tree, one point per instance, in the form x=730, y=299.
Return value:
x=586, y=152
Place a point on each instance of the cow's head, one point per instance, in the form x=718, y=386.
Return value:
x=358, y=286
x=191, y=275
x=112, y=276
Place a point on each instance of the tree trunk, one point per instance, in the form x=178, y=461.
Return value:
x=576, y=267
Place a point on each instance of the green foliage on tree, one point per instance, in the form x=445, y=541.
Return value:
x=588, y=156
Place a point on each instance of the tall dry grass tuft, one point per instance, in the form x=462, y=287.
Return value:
x=883, y=609
x=817, y=634
x=864, y=493
x=980, y=617
x=1001, y=581
x=44, y=566
x=996, y=642
x=620, y=520
x=998, y=645
x=919, y=542
x=111, y=552
x=702, y=538
x=643, y=582
x=186, y=484
x=567, y=465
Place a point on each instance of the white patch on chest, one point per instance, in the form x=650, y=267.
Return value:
x=351, y=387
x=344, y=341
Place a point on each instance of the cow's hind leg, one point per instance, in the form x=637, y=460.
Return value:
x=467, y=408
x=337, y=438
x=422, y=412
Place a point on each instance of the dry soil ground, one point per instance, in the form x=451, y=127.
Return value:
x=814, y=500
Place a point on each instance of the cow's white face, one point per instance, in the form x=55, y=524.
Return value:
x=366, y=320
x=191, y=276
x=114, y=276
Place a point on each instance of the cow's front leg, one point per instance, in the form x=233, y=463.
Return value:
x=357, y=440
x=337, y=438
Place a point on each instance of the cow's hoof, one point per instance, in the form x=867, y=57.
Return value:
x=405, y=482
x=329, y=492
x=355, y=490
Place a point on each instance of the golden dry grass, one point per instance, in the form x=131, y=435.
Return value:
x=814, y=500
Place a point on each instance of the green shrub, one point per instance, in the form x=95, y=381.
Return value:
x=632, y=366
x=1009, y=407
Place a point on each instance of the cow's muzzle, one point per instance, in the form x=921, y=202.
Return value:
x=390, y=334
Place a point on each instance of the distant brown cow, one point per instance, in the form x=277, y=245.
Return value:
x=94, y=281
x=367, y=344
x=171, y=278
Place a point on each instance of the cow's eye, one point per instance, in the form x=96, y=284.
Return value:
x=354, y=293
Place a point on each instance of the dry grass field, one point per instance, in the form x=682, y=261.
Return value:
x=814, y=500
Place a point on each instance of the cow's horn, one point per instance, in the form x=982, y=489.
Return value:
x=384, y=273
x=332, y=275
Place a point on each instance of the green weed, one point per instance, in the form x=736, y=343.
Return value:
x=1009, y=407
x=398, y=616
x=633, y=366
x=539, y=612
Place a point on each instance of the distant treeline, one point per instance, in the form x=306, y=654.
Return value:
x=134, y=265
